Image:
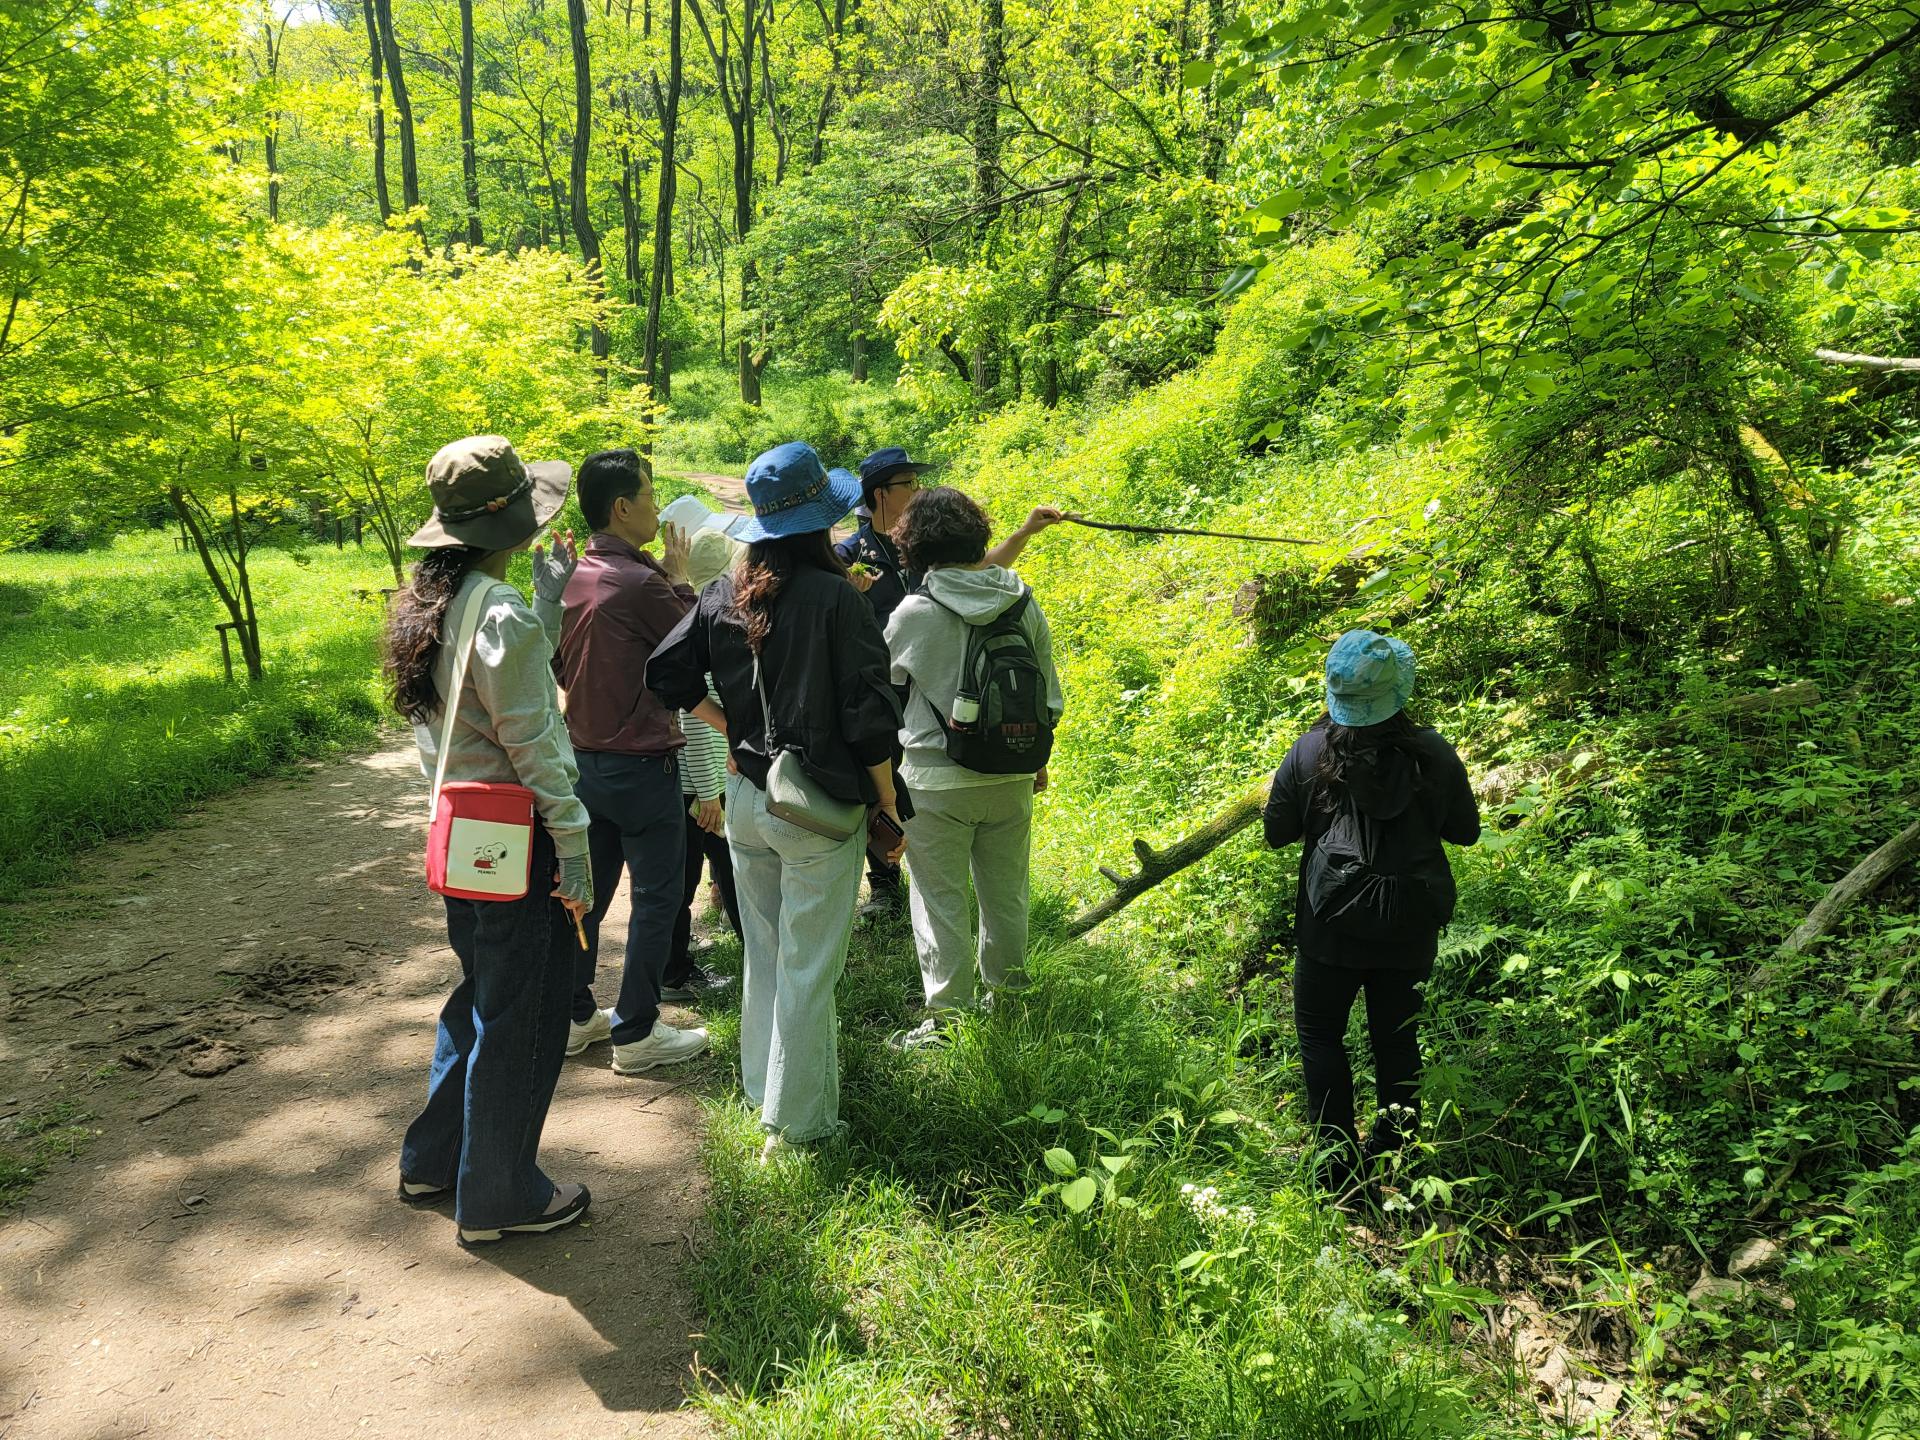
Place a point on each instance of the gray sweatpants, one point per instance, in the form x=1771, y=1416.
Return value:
x=982, y=831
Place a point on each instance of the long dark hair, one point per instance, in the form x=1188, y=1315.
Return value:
x=764, y=571
x=414, y=625
x=1350, y=744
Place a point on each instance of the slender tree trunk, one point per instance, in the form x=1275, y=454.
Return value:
x=859, y=356
x=986, y=157
x=655, y=362
x=402, y=106
x=469, y=159
x=583, y=230
x=743, y=147
x=378, y=68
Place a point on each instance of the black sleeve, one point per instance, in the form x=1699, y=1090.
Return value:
x=869, y=708
x=1460, y=813
x=1284, y=807
x=677, y=671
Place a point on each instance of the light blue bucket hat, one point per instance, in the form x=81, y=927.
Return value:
x=794, y=494
x=1369, y=678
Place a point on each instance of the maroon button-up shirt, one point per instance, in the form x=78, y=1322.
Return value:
x=619, y=605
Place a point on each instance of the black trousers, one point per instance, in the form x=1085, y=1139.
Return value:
x=633, y=802
x=712, y=849
x=1323, y=997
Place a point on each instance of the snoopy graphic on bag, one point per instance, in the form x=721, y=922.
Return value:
x=485, y=857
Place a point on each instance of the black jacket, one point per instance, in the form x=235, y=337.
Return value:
x=824, y=666
x=892, y=581
x=1419, y=791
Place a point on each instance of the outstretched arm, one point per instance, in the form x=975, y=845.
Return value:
x=1008, y=550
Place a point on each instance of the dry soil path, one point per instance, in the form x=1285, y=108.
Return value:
x=245, y=1004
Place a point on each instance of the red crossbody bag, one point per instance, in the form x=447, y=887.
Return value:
x=480, y=839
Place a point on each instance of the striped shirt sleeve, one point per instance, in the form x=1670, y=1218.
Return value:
x=704, y=759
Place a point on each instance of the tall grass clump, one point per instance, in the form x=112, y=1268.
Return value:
x=114, y=712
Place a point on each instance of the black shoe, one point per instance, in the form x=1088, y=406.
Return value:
x=539, y=1225
x=884, y=908
x=699, y=985
x=419, y=1193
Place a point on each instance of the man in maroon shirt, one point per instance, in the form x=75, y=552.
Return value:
x=620, y=603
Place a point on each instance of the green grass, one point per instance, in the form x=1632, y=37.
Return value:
x=707, y=428
x=1085, y=1217
x=114, y=713
x=31, y=1143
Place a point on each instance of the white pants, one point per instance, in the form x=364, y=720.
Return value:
x=796, y=891
x=982, y=831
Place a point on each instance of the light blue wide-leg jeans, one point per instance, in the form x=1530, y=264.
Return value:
x=797, y=892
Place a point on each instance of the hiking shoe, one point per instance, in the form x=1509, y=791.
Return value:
x=664, y=1045
x=929, y=1033
x=563, y=1210
x=698, y=986
x=418, y=1192
x=883, y=907
x=581, y=1034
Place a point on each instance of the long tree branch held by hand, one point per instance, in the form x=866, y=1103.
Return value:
x=1177, y=530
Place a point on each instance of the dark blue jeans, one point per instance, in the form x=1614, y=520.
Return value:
x=503, y=1034
x=638, y=823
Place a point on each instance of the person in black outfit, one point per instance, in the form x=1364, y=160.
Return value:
x=1371, y=795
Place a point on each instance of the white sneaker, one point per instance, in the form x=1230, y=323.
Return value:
x=928, y=1033
x=665, y=1045
x=599, y=1028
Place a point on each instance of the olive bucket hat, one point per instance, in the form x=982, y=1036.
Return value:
x=485, y=495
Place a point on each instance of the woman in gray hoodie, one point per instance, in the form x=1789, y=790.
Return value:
x=965, y=821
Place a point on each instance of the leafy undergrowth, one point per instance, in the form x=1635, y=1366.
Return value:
x=707, y=428
x=114, y=711
x=1083, y=1217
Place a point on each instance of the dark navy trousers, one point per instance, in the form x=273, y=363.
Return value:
x=638, y=824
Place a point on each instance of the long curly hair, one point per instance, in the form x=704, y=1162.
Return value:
x=764, y=571
x=414, y=625
x=1348, y=745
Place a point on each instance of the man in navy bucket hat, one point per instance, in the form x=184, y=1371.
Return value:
x=888, y=478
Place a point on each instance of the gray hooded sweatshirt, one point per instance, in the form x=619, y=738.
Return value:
x=928, y=644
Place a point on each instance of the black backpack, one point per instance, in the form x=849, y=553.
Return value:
x=1012, y=733
x=1369, y=879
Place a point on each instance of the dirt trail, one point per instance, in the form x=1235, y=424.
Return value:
x=729, y=490
x=246, y=1005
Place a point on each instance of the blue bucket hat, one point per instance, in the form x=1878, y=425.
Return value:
x=1369, y=678
x=794, y=494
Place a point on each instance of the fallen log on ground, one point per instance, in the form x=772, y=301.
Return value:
x=1858, y=883
x=1495, y=788
x=1158, y=865
x=1865, y=362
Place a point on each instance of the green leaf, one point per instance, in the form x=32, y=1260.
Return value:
x=1196, y=73
x=1077, y=1195
x=1116, y=1163
x=1836, y=1080
x=1060, y=1162
x=1280, y=206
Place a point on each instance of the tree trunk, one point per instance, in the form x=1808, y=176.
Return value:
x=654, y=359
x=986, y=159
x=859, y=356
x=378, y=68
x=271, y=137
x=735, y=83
x=583, y=230
x=1157, y=865
x=225, y=567
x=469, y=160
x=402, y=106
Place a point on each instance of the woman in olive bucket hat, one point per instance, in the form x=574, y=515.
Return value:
x=504, y=1027
x=1371, y=795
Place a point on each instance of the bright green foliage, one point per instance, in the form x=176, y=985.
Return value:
x=114, y=713
x=1062, y=1225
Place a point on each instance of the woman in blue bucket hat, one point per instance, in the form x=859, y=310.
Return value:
x=1371, y=795
x=811, y=722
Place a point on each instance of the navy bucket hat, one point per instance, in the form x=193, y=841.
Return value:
x=1369, y=678
x=794, y=494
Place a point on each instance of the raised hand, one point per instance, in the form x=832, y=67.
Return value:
x=674, y=545
x=551, y=570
